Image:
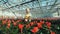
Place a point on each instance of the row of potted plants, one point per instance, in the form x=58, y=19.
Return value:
x=11, y=26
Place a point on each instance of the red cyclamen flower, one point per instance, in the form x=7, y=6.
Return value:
x=31, y=23
x=8, y=25
x=39, y=25
x=9, y=21
x=34, y=30
x=42, y=22
x=21, y=27
x=48, y=24
x=28, y=26
x=53, y=33
x=14, y=23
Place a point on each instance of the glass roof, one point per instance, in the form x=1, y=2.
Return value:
x=39, y=8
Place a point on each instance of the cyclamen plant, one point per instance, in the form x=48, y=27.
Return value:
x=19, y=27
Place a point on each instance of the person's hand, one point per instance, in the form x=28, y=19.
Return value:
x=26, y=20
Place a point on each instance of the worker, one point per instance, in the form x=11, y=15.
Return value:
x=28, y=15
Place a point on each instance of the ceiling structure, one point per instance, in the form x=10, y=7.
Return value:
x=38, y=8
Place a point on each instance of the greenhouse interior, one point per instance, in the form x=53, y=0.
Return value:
x=29, y=16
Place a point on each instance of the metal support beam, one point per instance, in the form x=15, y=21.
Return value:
x=20, y=4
